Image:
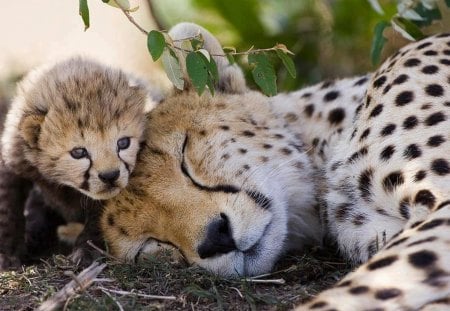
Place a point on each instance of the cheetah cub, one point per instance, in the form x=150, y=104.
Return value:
x=73, y=131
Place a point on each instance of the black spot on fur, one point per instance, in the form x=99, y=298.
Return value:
x=412, y=151
x=404, y=208
x=412, y=62
x=422, y=241
x=309, y=110
x=342, y=211
x=332, y=95
x=111, y=221
x=430, y=53
x=318, y=305
x=379, y=82
x=381, y=263
x=387, y=152
x=225, y=127
x=400, y=79
x=361, y=81
x=410, y=122
x=420, y=175
x=248, y=133
x=435, y=141
x=404, y=98
x=388, y=129
x=358, y=290
x=430, y=69
x=435, y=118
x=425, y=197
x=357, y=155
x=364, y=134
x=365, y=183
x=389, y=293
x=336, y=116
x=440, y=167
x=376, y=111
x=434, y=90
x=424, y=45
x=422, y=259
x=393, y=180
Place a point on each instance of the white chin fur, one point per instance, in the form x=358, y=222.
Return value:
x=259, y=259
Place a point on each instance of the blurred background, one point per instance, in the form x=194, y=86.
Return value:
x=330, y=38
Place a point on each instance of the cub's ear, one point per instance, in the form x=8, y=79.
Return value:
x=153, y=94
x=30, y=129
x=231, y=78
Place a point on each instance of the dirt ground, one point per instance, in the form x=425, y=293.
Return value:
x=120, y=286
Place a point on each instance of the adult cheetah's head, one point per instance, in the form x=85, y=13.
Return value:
x=79, y=124
x=220, y=178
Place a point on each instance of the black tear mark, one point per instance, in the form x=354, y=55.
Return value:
x=217, y=188
x=87, y=175
x=260, y=199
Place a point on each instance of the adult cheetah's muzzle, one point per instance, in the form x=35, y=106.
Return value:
x=219, y=238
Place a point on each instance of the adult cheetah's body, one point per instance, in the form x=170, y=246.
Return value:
x=213, y=172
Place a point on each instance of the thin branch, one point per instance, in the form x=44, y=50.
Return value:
x=130, y=18
x=145, y=32
x=113, y=299
x=98, y=249
x=273, y=281
x=125, y=293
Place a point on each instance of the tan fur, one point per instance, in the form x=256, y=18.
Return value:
x=77, y=103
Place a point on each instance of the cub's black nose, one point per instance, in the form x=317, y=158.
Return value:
x=218, y=238
x=109, y=177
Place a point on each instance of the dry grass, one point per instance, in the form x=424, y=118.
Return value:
x=125, y=287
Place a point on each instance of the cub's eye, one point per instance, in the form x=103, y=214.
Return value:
x=78, y=153
x=123, y=143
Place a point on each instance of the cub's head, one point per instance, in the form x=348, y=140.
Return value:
x=79, y=124
x=221, y=180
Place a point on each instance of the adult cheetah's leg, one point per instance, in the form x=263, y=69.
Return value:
x=13, y=193
x=411, y=272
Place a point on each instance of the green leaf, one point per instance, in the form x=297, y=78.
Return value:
x=210, y=85
x=447, y=2
x=263, y=73
x=123, y=4
x=378, y=42
x=197, y=71
x=196, y=44
x=428, y=15
x=409, y=27
x=172, y=68
x=84, y=12
x=287, y=62
x=155, y=44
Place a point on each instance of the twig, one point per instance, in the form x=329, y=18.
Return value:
x=238, y=291
x=273, y=281
x=122, y=292
x=98, y=249
x=83, y=281
x=145, y=32
x=113, y=299
x=130, y=18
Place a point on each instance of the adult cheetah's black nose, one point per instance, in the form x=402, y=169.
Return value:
x=219, y=239
x=109, y=177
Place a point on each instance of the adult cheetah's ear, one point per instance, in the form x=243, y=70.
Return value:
x=231, y=78
x=30, y=129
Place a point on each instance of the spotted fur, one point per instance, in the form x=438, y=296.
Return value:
x=76, y=105
x=234, y=181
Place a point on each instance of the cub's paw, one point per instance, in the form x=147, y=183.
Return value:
x=8, y=262
x=83, y=255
